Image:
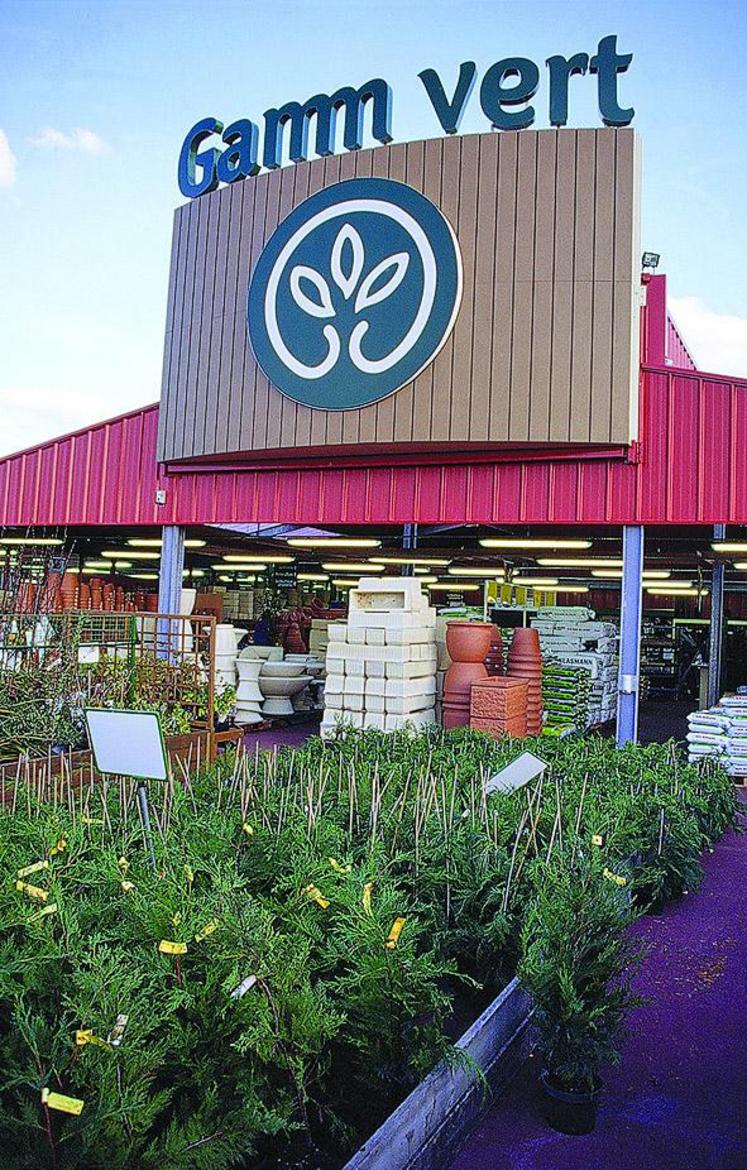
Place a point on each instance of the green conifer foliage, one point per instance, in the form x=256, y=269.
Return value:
x=288, y=971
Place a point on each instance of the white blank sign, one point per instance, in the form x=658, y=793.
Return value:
x=127, y=743
x=518, y=773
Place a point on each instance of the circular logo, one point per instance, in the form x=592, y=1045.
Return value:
x=354, y=294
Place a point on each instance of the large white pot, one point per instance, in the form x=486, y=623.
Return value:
x=281, y=669
x=278, y=693
x=225, y=639
x=187, y=604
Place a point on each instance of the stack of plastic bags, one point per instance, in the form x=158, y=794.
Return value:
x=566, y=696
x=721, y=732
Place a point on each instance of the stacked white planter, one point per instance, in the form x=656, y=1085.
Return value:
x=226, y=637
x=309, y=699
x=279, y=683
x=381, y=663
x=569, y=635
x=249, y=697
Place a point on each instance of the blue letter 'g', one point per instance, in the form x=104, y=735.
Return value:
x=190, y=159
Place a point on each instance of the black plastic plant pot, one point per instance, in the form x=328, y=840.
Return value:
x=569, y=1112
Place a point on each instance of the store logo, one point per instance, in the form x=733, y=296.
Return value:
x=354, y=294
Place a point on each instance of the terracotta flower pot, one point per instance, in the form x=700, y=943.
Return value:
x=525, y=641
x=468, y=641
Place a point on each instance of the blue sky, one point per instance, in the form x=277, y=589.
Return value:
x=96, y=97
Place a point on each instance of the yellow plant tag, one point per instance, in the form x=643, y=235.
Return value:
x=394, y=933
x=63, y=1104
x=247, y=828
x=35, y=868
x=85, y=1036
x=337, y=867
x=166, y=947
x=60, y=847
x=91, y=821
x=615, y=877
x=315, y=894
x=367, y=897
x=127, y=886
x=33, y=891
x=208, y=929
x=44, y=913
x=597, y=839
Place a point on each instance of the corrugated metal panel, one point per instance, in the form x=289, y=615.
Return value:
x=677, y=352
x=104, y=475
x=692, y=468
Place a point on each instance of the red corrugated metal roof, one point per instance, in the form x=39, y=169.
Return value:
x=690, y=467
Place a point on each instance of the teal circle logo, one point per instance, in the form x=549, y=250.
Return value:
x=354, y=294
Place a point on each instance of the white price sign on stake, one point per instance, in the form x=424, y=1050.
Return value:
x=518, y=773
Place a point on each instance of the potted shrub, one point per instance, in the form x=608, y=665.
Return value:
x=577, y=960
x=224, y=702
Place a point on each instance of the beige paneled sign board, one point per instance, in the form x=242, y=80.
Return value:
x=543, y=347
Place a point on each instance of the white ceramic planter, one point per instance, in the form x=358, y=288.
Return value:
x=278, y=693
x=281, y=669
x=266, y=653
x=189, y=596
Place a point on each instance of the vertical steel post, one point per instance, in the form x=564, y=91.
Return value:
x=409, y=541
x=172, y=569
x=170, y=589
x=716, y=633
x=630, y=635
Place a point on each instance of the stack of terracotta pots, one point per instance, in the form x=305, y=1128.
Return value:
x=49, y=601
x=525, y=662
x=468, y=644
x=494, y=657
x=69, y=590
x=499, y=707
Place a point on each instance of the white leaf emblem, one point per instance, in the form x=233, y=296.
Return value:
x=368, y=294
x=321, y=308
x=346, y=283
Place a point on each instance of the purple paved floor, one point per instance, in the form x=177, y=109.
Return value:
x=295, y=735
x=678, y=1100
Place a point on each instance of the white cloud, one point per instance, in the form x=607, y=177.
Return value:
x=7, y=162
x=717, y=341
x=85, y=141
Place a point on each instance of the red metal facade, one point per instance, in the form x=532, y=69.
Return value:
x=690, y=467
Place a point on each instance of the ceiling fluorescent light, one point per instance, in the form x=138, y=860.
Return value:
x=251, y=558
x=41, y=541
x=405, y=560
x=454, y=587
x=518, y=543
x=491, y=572
x=537, y=582
x=332, y=542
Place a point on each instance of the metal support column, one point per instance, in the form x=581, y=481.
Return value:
x=716, y=638
x=409, y=541
x=172, y=569
x=630, y=635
